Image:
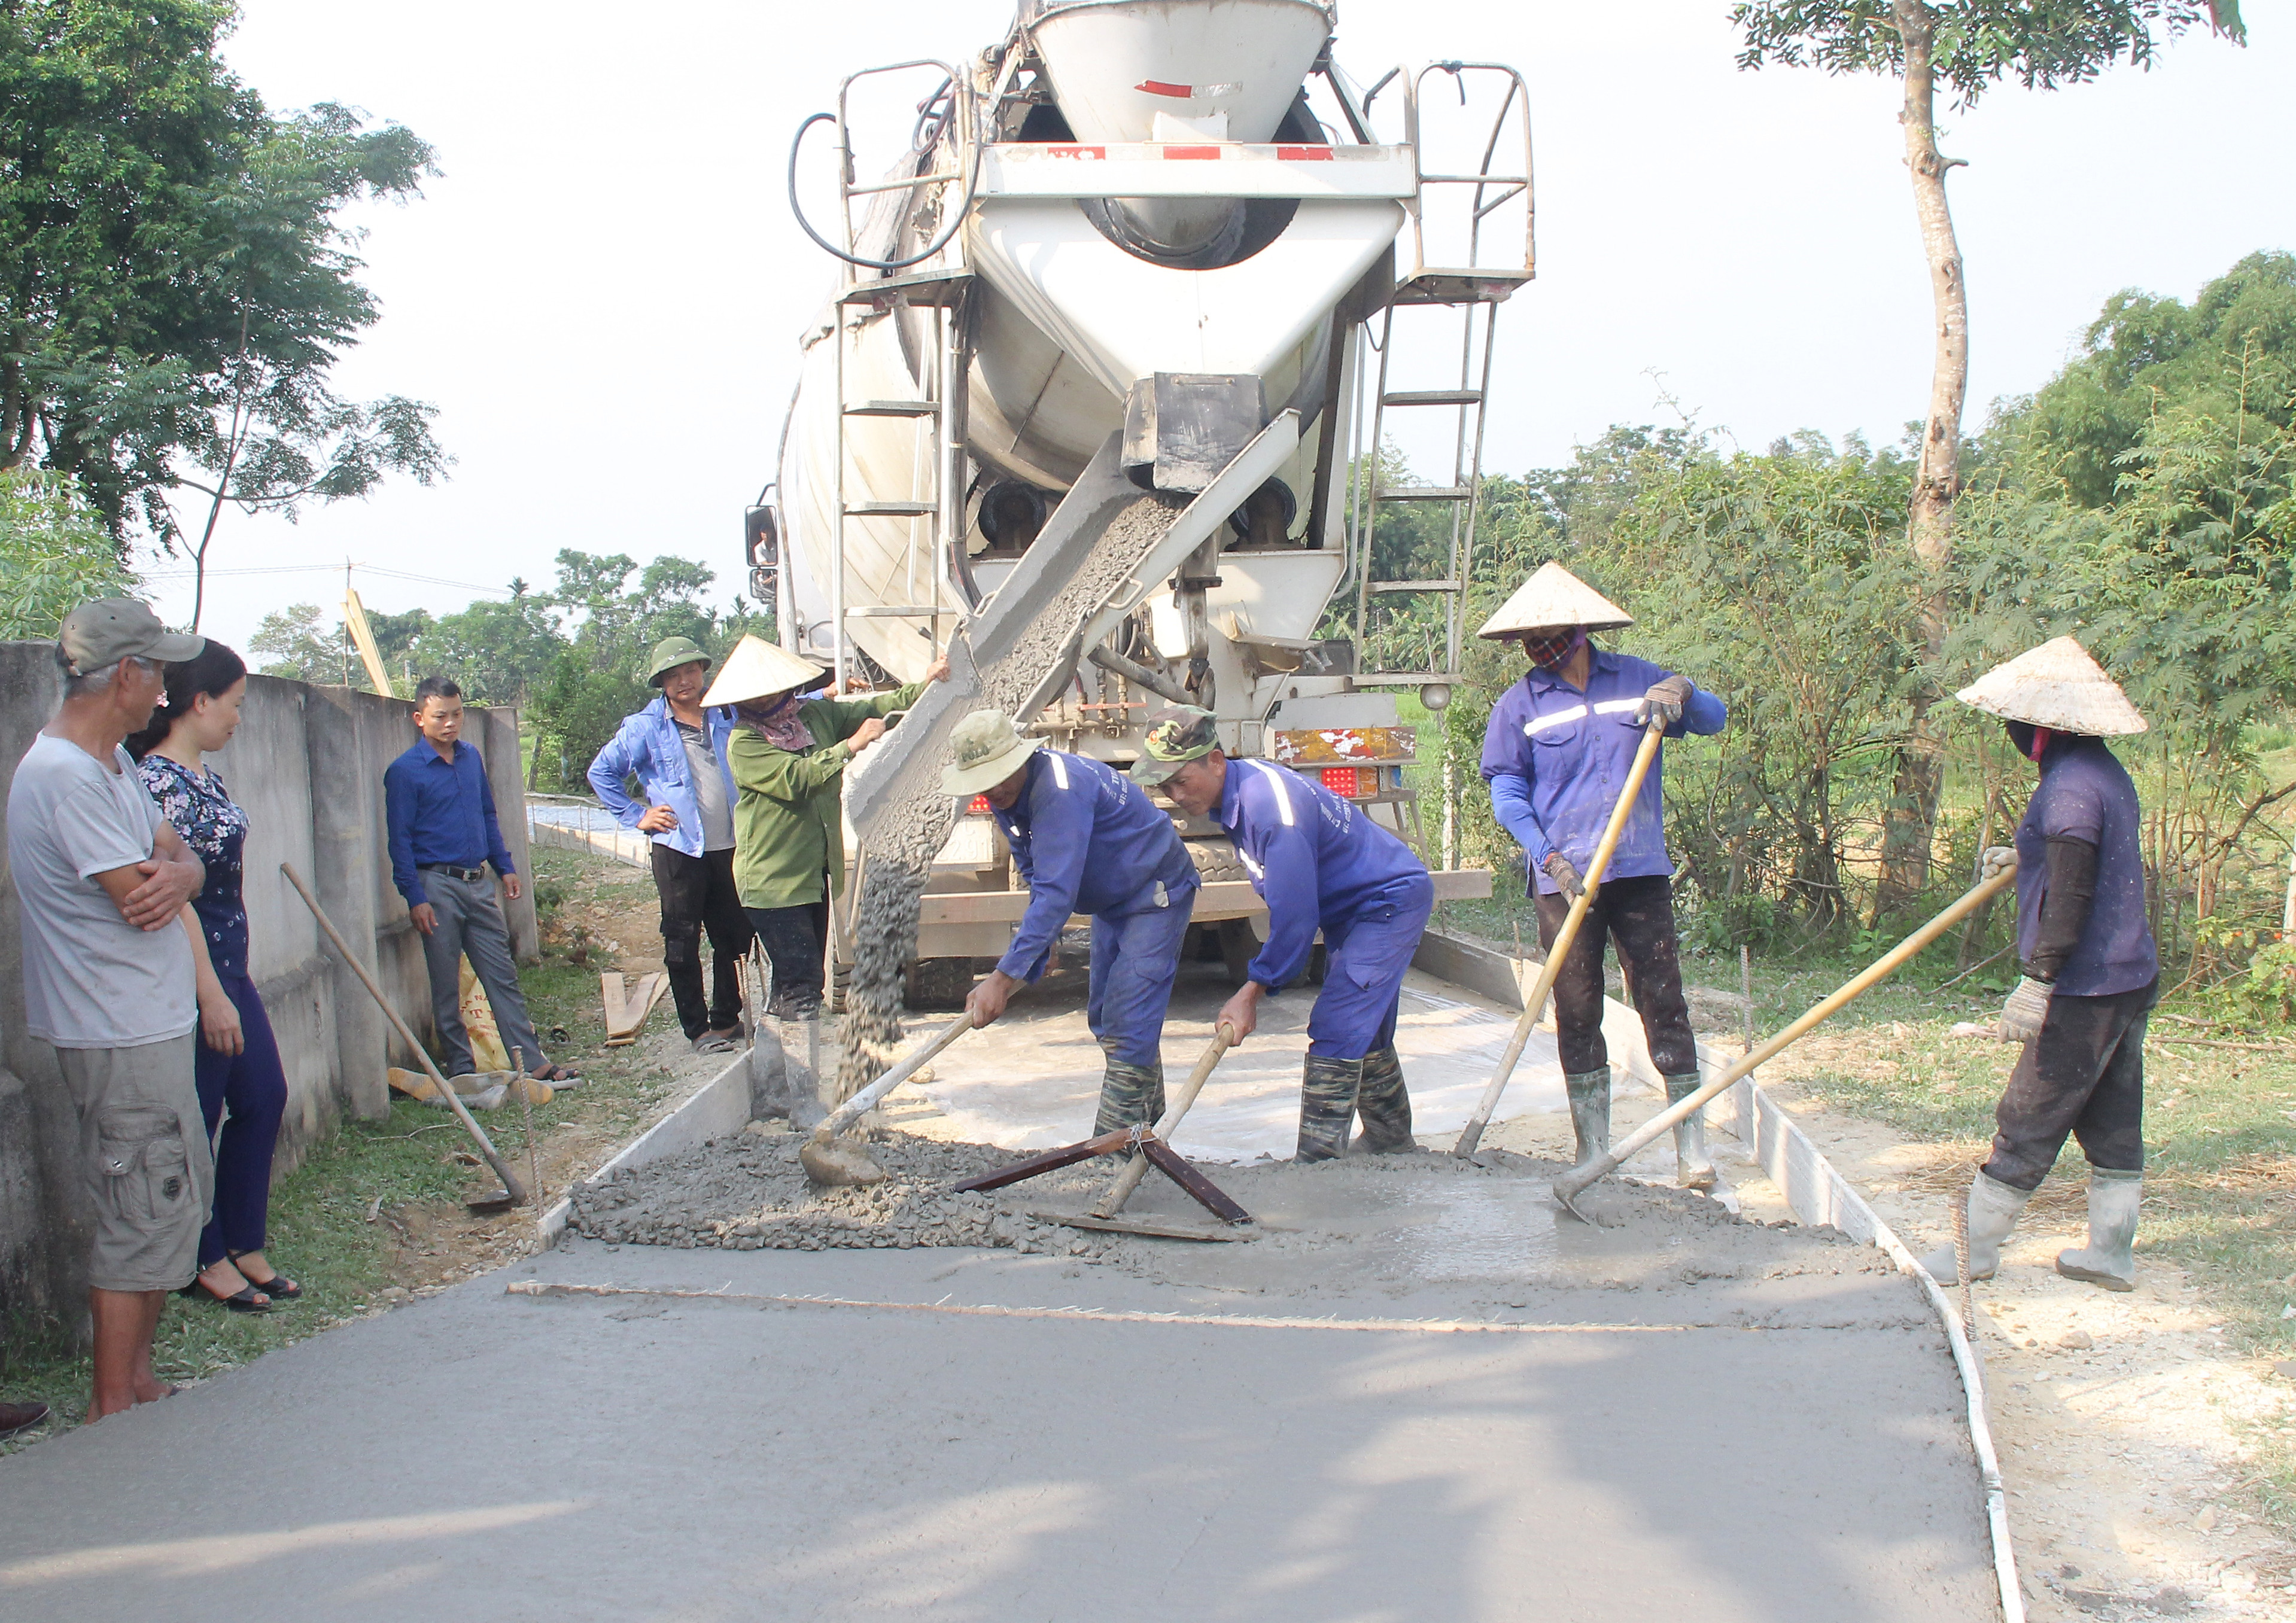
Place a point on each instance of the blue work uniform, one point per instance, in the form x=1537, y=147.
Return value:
x=1319, y=863
x=647, y=747
x=1555, y=759
x=1087, y=839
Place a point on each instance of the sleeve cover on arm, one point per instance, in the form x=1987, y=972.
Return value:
x=2065, y=905
x=1510, y=803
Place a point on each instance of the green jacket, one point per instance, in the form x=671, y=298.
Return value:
x=788, y=829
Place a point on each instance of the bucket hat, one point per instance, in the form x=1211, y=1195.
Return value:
x=988, y=747
x=668, y=654
x=1551, y=599
x=756, y=669
x=2057, y=687
x=110, y=629
x=1178, y=734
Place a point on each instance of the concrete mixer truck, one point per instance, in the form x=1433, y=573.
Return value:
x=1113, y=339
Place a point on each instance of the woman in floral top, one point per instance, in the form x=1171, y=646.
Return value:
x=237, y=1059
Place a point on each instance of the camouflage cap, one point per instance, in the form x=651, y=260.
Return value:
x=1176, y=735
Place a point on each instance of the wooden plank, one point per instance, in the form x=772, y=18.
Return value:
x=611, y=992
x=1232, y=898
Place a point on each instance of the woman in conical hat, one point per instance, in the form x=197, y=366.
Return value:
x=1557, y=755
x=788, y=755
x=2090, y=968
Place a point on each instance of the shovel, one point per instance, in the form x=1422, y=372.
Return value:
x=511, y=1193
x=840, y=1165
x=1574, y=1183
x=1534, y=1006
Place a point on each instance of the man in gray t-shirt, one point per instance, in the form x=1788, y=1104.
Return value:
x=102, y=880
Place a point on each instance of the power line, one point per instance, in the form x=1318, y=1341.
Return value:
x=306, y=568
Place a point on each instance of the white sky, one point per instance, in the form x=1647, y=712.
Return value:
x=601, y=293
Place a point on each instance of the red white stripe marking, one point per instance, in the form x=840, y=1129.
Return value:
x=1240, y=151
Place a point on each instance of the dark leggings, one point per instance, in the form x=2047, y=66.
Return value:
x=2084, y=1075
x=792, y=938
x=252, y=1085
x=1636, y=915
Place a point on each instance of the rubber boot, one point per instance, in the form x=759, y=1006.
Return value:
x=2110, y=1258
x=1383, y=1105
x=1694, y=1168
x=1590, y=1111
x=1129, y=1094
x=1994, y=1208
x=1327, y=1107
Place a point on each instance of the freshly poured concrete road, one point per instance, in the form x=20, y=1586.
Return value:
x=486, y=1457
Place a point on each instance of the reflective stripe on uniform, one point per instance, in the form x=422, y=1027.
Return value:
x=1276, y=775
x=1554, y=718
x=1060, y=767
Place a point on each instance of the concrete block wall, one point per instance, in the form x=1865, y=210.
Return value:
x=307, y=764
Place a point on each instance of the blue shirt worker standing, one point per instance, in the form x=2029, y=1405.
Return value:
x=1557, y=754
x=674, y=749
x=2091, y=971
x=440, y=812
x=1087, y=841
x=1318, y=864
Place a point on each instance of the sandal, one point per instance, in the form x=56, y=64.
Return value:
x=557, y=1076
x=714, y=1042
x=247, y=1298
x=279, y=1288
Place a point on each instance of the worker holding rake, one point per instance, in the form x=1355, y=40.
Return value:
x=2091, y=970
x=1085, y=840
x=1318, y=863
x=1558, y=755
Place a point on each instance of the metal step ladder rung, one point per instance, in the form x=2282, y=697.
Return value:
x=1433, y=397
x=893, y=408
x=896, y=611
x=1414, y=586
x=892, y=510
x=1424, y=493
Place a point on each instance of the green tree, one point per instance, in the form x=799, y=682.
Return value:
x=54, y=553
x=175, y=282
x=294, y=643
x=1970, y=46
x=498, y=651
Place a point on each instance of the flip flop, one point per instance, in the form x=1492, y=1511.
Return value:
x=558, y=1077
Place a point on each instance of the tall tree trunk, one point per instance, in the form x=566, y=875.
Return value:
x=1920, y=767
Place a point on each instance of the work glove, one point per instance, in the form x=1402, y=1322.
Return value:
x=1664, y=701
x=1565, y=877
x=2027, y=1007
x=1997, y=858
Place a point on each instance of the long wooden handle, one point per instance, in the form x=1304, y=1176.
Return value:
x=454, y=1100
x=846, y=1114
x=1578, y=1177
x=1137, y=1168
x=1535, y=1005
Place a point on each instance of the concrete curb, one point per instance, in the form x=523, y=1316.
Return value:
x=719, y=1106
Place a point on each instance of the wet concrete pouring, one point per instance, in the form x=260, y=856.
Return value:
x=1419, y=1392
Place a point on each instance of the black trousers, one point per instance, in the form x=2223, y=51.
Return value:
x=1638, y=916
x=698, y=894
x=2084, y=1075
x=792, y=938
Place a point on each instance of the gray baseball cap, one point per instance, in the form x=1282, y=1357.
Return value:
x=110, y=629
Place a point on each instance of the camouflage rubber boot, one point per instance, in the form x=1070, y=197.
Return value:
x=1590, y=1111
x=1327, y=1107
x=1384, y=1106
x=1694, y=1168
x=1129, y=1094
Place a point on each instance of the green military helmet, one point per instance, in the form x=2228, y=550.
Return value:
x=671, y=653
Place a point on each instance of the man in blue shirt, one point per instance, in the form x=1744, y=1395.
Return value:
x=2091, y=971
x=1319, y=863
x=675, y=749
x=1085, y=840
x=440, y=812
x=1557, y=755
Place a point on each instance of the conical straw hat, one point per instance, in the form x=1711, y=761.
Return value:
x=2058, y=686
x=756, y=669
x=1551, y=599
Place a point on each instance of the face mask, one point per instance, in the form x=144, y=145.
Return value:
x=1551, y=651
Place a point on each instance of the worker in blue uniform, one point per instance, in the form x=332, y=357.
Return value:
x=1085, y=839
x=1319, y=863
x=1557, y=755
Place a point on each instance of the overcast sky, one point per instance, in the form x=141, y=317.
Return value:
x=602, y=291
